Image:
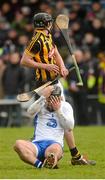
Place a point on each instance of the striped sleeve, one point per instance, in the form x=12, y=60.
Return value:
x=34, y=46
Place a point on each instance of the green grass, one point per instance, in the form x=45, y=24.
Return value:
x=90, y=140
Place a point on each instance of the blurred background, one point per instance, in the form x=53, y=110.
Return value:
x=87, y=35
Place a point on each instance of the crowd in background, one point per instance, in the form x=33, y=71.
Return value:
x=87, y=35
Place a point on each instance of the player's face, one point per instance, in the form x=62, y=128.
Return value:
x=53, y=102
x=49, y=105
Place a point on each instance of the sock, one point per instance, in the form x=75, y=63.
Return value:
x=75, y=153
x=38, y=164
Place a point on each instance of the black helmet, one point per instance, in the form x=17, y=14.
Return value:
x=41, y=20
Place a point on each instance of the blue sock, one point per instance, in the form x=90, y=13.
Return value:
x=38, y=164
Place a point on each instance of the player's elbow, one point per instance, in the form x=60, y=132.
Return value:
x=30, y=111
x=69, y=124
x=22, y=61
x=33, y=109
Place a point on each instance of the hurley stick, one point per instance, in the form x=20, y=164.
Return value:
x=62, y=22
x=24, y=97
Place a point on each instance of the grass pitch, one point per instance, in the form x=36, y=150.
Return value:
x=89, y=140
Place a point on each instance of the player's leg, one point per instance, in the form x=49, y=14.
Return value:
x=27, y=152
x=69, y=136
x=52, y=155
x=77, y=158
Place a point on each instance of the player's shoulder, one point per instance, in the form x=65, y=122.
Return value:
x=66, y=105
x=36, y=36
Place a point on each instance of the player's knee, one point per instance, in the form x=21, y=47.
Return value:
x=58, y=151
x=18, y=145
x=56, y=148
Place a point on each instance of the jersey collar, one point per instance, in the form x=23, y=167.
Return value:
x=43, y=32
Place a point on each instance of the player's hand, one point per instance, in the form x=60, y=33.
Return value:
x=52, y=67
x=64, y=71
x=46, y=92
x=55, y=102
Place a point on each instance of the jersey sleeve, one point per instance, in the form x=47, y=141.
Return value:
x=37, y=106
x=33, y=47
x=66, y=117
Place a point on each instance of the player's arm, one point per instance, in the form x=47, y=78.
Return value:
x=37, y=106
x=65, y=113
x=28, y=55
x=28, y=61
x=66, y=117
x=60, y=63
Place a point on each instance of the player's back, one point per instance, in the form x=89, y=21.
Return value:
x=41, y=49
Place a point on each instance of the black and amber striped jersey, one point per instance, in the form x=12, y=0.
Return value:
x=41, y=49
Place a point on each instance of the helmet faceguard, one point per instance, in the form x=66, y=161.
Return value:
x=56, y=91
